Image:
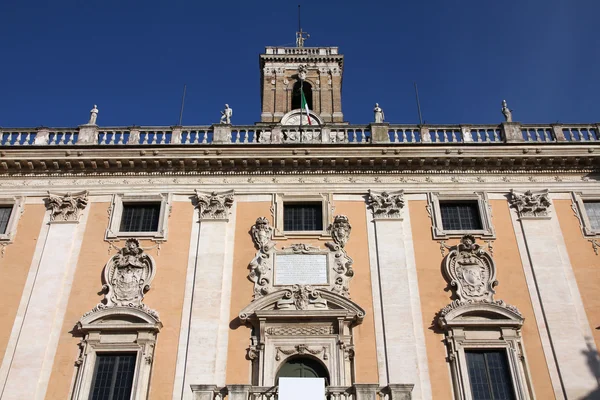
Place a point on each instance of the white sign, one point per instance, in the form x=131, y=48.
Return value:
x=301, y=269
x=301, y=388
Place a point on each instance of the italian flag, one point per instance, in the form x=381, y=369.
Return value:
x=304, y=105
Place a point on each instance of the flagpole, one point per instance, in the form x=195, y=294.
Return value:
x=301, y=97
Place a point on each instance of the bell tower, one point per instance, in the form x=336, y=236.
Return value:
x=282, y=70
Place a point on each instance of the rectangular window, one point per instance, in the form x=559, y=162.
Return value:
x=4, y=218
x=113, y=376
x=140, y=217
x=592, y=209
x=302, y=217
x=489, y=375
x=460, y=216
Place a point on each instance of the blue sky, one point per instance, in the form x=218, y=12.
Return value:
x=58, y=58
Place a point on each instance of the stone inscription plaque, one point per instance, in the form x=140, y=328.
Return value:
x=301, y=269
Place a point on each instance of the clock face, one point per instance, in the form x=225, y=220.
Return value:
x=294, y=119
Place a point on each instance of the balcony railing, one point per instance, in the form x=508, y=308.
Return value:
x=333, y=134
x=354, y=392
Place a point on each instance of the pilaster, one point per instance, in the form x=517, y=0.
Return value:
x=176, y=135
x=555, y=289
x=366, y=391
x=203, y=392
x=26, y=368
x=394, y=271
x=206, y=347
x=238, y=392
x=42, y=136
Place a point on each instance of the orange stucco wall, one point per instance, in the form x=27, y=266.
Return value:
x=238, y=368
x=512, y=289
x=14, y=268
x=585, y=264
x=165, y=296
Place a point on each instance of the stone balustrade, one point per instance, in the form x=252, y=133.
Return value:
x=354, y=392
x=265, y=134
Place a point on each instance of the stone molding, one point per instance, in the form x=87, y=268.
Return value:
x=483, y=205
x=18, y=208
x=386, y=205
x=471, y=271
x=113, y=232
x=339, y=264
x=122, y=323
x=578, y=199
x=531, y=204
x=214, y=206
x=127, y=277
x=491, y=324
x=66, y=208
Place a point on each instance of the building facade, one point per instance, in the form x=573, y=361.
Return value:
x=395, y=261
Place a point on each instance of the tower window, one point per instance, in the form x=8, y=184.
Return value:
x=113, y=376
x=296, y=97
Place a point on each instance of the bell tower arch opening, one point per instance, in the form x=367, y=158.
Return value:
x=300, y=87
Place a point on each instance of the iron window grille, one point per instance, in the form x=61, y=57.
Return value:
x=4, y=218
x=299, y=217
x=113, y=376
x=460, y=216
x=489, y=375
x=140, y=217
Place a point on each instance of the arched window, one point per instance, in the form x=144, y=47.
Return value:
x=303, y=367
x=297, y=99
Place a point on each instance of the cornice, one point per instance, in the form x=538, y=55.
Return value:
x=294, y=159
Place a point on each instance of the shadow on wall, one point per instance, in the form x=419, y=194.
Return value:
x=593, y=360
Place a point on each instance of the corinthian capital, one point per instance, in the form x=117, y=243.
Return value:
x=531, y=204
x=214, y=206
x=68, y=207
x=386, y=205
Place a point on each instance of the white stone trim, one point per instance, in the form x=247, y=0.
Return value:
x=165, y=199
x=112, y=331
x=538, y=311
x=17, y=203
x=280, y=199
x=485, y=214
x=569, y=330
x=24, y=303
x=578, y=199
x=400, y=339
x=184, y=331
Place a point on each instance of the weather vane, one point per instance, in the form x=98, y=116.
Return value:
x=300, y=35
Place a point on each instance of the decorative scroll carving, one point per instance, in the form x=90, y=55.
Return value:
x=214, y=205
x=340, y=230
x=294, y=330
x=386, y=205
x=66, y=208
x=301, y=297
x=127, y=278
x=300, y=349
x=339, y=264
x=471, y=271
x=530, y=204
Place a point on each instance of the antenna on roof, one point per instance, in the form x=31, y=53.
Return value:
x=300, y=36
x=182, y=104
x=418, y=104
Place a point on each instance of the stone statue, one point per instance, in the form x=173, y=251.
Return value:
x=507, y=113
x=226, y=115
x=379, y=117
x=93, y=115
x=302, y=71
